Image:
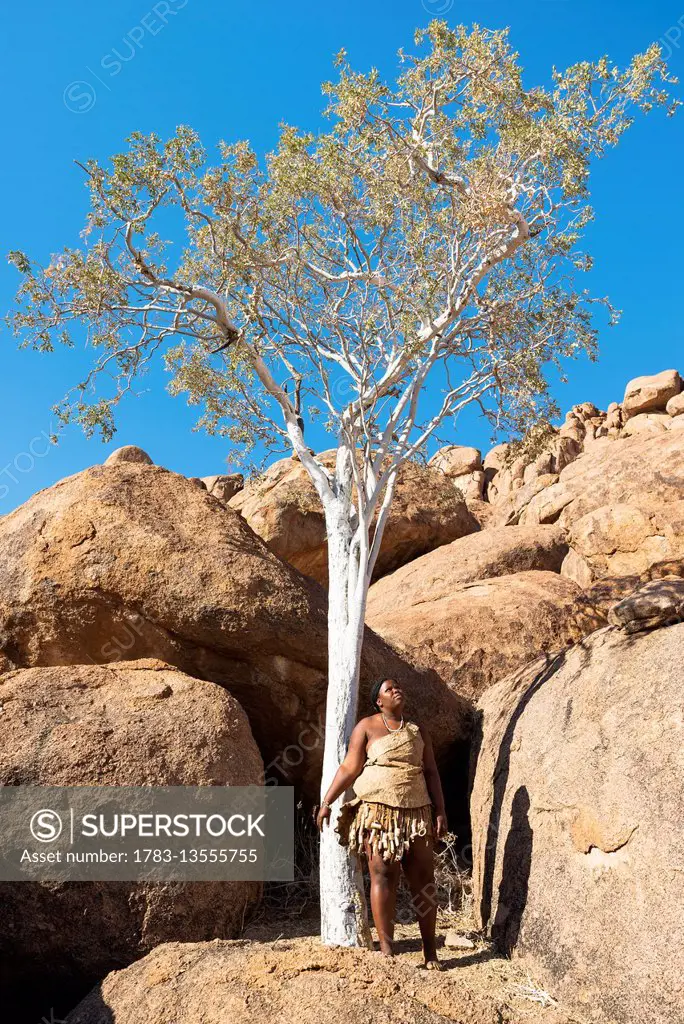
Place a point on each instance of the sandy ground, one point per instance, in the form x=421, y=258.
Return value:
x=476, y=986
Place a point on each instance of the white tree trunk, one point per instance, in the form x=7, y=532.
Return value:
x=344, y=919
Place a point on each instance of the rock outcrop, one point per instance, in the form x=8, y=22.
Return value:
x=133, y=723
x=626, y=513
x=650, y=407
x=130, y=724
x=463, y=466
x=486, y=564
x=675, y=405
x=621, y=503
x=224, y=487
x=455, y=460
x=284, y=509
x=496, y=551
x=649, y=394
x=130, y=561
x=474, y=634
x=129, y=453
x=578, y=822
x=298, y=981
x=647, y=423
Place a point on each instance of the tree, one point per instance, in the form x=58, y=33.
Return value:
x=431, y=234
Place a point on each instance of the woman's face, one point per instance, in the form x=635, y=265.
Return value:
x=391, y=697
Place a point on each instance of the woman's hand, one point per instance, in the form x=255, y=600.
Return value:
x=322, y=816
x=440, y=826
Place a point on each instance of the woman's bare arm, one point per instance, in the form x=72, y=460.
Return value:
x=434, y=783
x=348, y=772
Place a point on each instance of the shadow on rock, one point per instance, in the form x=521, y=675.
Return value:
x=515, y=874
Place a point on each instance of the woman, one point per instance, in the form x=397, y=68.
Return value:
x=391, y=764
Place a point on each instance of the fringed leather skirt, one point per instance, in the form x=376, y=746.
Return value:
x=388, y=831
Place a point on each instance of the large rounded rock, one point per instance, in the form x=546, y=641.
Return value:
x=495, y=459
x=129, y=561
x=129, y=453
x=476, y=633
x=455, y=460
x=470, y=485
x=546, y=505
x=627, y=511
x=646, y=394
x=284, y=509
x=647, y=423
x=495, y=551
x=675, y=406
x=578, y=823
x=624, y=539
x=659, y=602
x=137, y=723
x=133, y=724
x=511, y=510
x=224, y=487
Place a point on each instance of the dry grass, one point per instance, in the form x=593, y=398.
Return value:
x=531, y=991
x=454, y=883
x=298, y=898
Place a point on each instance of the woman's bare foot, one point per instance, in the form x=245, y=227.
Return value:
x=430, y=963
x=385, y=945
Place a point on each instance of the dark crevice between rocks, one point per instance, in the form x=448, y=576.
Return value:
x=43, y=1000
x=455, y=775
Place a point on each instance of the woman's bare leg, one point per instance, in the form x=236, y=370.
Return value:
x=384, y=879
x=419, y=868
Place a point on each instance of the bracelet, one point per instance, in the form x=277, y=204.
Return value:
x=324, y=803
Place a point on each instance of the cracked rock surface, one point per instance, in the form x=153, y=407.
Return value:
x=577, y=821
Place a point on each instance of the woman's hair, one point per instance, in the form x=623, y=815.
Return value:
x=375, y=690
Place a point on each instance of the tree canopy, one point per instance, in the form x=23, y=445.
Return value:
x=437, y=222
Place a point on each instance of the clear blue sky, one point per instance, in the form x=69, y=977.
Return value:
x=79, y=77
